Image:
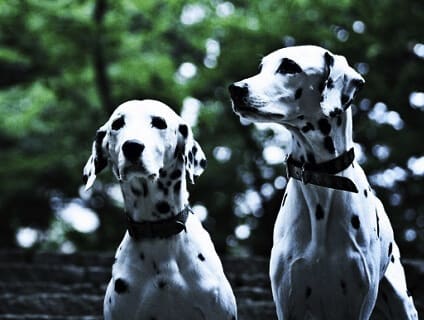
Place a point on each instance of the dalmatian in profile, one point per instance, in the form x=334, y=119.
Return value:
x=166, y=266
x=333, y=255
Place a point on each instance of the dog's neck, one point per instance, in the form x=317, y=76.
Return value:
x=154, y=200
x=320, y=140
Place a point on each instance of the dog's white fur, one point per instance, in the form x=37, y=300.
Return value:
x=180, y=277
x=336, y=266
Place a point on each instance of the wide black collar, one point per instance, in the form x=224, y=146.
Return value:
x=158, y=229
x=323, y=174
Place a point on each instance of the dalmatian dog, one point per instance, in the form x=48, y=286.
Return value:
x=166, y=266
x=333, y=255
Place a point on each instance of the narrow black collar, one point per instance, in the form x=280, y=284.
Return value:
x=158, y=229
x=323, y=174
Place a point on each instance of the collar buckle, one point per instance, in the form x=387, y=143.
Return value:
x=305, y=175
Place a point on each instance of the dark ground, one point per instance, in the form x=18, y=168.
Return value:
x=56, y=286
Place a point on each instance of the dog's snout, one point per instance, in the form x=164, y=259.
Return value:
x=132, y=149
x=238, y=92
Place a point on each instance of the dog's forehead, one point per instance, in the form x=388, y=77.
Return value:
x=145, y=110
x=306, y=57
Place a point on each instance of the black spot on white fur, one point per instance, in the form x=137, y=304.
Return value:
x=203, y=163
x=329, y=59
x=329, y=145
x=365, y=193
x=324, y=126
x=378, y=223
x=336, y=112
x=162, y=173
x=159, y=123
x=298, y=93
x=183, y=129
x=309, y=126
x=100, y=161
x=355, y=221
x=288, y=66
x=118, y=123
x=163, y=207
x=319, y=213
x=121, y=286
x=201, y=257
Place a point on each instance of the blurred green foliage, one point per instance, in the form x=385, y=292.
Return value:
x=65, y=65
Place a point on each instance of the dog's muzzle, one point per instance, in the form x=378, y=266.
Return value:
x=239, y=95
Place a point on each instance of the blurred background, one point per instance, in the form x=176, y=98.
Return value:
x=65, y=65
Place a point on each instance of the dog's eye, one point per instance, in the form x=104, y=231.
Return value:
x=288, y=66
x=159, y=123
x=118, y=123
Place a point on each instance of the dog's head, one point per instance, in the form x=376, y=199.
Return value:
x=295, y=82
x=142, y=139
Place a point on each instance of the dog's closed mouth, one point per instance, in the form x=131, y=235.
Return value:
x=246, y=111
x=137, y=169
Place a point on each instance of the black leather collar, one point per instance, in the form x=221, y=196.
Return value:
x=158, y=229
x=323, y=174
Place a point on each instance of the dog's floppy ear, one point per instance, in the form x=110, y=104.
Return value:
x=340, y=85
x=97, y=161
x=190, y=152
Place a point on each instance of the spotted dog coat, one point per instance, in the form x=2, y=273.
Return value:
x=334, y=255
x=151, y=151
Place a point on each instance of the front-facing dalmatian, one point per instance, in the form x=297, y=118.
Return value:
x=166, y=266
x=334, y=255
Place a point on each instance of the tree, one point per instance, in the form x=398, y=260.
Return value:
x=66, y=65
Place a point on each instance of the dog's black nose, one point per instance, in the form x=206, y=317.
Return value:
x=132, y=150
x=238, y=92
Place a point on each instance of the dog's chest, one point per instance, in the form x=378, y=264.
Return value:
x=165, y=273
x=319, y=220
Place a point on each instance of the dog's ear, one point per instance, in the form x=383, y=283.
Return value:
x=190, y=153
x=97, y=161
x=340, y=84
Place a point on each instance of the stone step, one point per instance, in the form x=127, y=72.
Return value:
x=70, y=287
x=56, y=299
x=54, y=304
x=96, y=275
x=63, y=273
x=46, y=317
x=21, y=288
